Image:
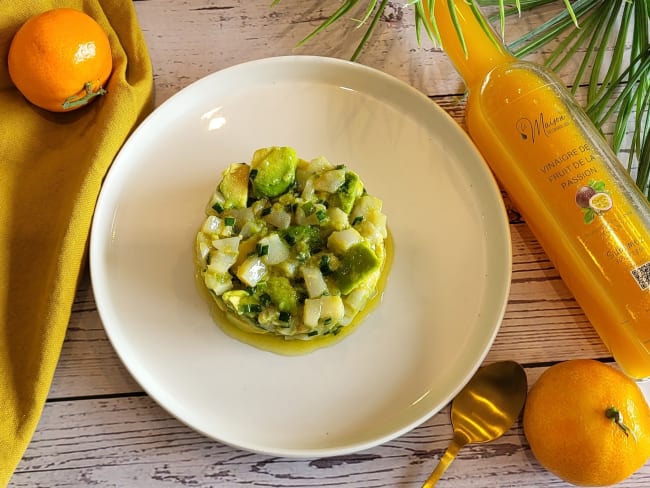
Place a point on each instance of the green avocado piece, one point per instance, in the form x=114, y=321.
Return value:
x=348, y=192
x=356, y=264
x=234, y=185
x=282, y=294
x=274, y=170
x=308, y=235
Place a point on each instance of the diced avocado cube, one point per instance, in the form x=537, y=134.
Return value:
x=273, y=170
x=282, y=293
x=348, y=192
x=356, y=265
x=234, y=185
x=303, y=234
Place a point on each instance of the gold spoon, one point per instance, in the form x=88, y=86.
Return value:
x=484, y=410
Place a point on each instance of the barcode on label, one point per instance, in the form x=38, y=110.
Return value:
x=642, y=275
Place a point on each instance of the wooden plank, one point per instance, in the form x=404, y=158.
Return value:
x=131, y=442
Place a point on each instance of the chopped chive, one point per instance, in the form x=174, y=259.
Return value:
x=253, y=174
x=250, y=308
x=312, y=333
x=340, y=166
x=266, y=211
x=262, y=250
x=327, y=321
x=357, y=220
x=284, y=316
x=217, y=207
x=229, y=221
x=345, y=187
x=337, y=329
x=325, y=265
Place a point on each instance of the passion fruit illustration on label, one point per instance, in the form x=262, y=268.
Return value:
x=594, y=200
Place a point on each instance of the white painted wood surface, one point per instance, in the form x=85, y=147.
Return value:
x=100, y=429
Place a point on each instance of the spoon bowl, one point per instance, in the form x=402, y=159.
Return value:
x=484, y=410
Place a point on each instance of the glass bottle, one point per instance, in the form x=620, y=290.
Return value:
x=578, y=199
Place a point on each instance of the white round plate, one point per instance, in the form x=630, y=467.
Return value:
x=442, y=305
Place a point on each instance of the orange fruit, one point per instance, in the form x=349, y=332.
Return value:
x=60, y=59
x=587, y=423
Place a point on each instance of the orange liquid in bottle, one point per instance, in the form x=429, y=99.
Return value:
x=580, y=202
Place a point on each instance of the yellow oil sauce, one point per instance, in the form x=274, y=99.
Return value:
x=295, y=347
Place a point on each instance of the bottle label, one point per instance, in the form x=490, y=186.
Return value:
x=574, y=193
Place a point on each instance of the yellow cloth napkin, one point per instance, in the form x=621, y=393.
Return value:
x=51, y=170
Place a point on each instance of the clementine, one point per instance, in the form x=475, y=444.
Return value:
x=587, y=423
x=60, y=59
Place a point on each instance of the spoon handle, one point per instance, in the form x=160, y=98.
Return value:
x=450, y=454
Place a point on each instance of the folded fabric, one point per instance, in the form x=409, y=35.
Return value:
x=51, y=170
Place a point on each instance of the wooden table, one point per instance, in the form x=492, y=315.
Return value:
x=100, y=429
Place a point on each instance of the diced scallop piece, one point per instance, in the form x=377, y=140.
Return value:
x=308, y=191
x=278, y=217
x=364, y=206
x=241, y=215
x=300, y=218
x=331, y=308
x=378, y=219
x=357, y=299
x=212, y=225
x=276, y=250
x=329, y=181
x=251, y=271
x=288, y=268
x=311, y=312
x=340, y=241
x=218, y=283
x=227, y=245
x=338, y=219
x=314, y=281
x=258, y=206
x=308, y=168
x=250, y=229
x=202, y=247
x=220, y=262
x=374, y=234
